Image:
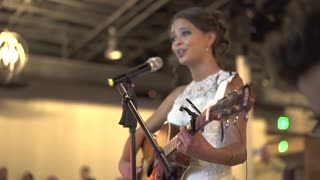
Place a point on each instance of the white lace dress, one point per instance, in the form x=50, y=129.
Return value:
x=200, y=93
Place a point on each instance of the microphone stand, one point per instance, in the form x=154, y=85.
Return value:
x=126, y=121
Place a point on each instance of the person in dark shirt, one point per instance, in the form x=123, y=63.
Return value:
x=293, y=52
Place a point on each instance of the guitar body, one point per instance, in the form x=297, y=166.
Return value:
x=240, y=100
x=177, y=160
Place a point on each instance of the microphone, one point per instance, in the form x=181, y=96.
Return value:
x=151, y=65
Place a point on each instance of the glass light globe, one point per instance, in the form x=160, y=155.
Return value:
x=13, y=56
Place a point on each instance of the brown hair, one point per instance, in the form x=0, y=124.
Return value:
x=207, y=22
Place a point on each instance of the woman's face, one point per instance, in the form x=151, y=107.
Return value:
x=188, y=42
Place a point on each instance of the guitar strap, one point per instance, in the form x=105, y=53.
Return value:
x=222, y=86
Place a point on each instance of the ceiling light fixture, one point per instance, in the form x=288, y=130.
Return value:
x=111, y=51
x=13, y=55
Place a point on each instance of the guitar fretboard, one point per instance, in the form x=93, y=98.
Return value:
x=172, y=145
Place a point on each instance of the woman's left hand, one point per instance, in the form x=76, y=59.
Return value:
x=192, y=146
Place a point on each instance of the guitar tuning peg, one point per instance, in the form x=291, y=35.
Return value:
x=235, y=120
x=217, y=115
x=188, y=127
x=237, y=107
x=246, y=117
x=237, y=91
x=228, y=110
x=227, y=124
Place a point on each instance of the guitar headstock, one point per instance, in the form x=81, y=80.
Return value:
x=240, y=100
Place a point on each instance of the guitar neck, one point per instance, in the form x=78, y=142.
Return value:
x=171, y=146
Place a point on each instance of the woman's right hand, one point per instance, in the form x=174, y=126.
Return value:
x=125, y=168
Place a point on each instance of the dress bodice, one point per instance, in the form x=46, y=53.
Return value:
x=201, y=94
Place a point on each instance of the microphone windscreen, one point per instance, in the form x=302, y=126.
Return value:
x=155, y=63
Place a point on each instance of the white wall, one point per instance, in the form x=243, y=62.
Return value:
x=256, y=132
x=57, y=137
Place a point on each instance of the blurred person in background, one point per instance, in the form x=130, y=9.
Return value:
x=269, y=167
x=293, y=52
x=52, y=177
x=27, y=176
x=85, y=173
x=3, y=173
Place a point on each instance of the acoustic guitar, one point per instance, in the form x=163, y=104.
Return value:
x=227, y=108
